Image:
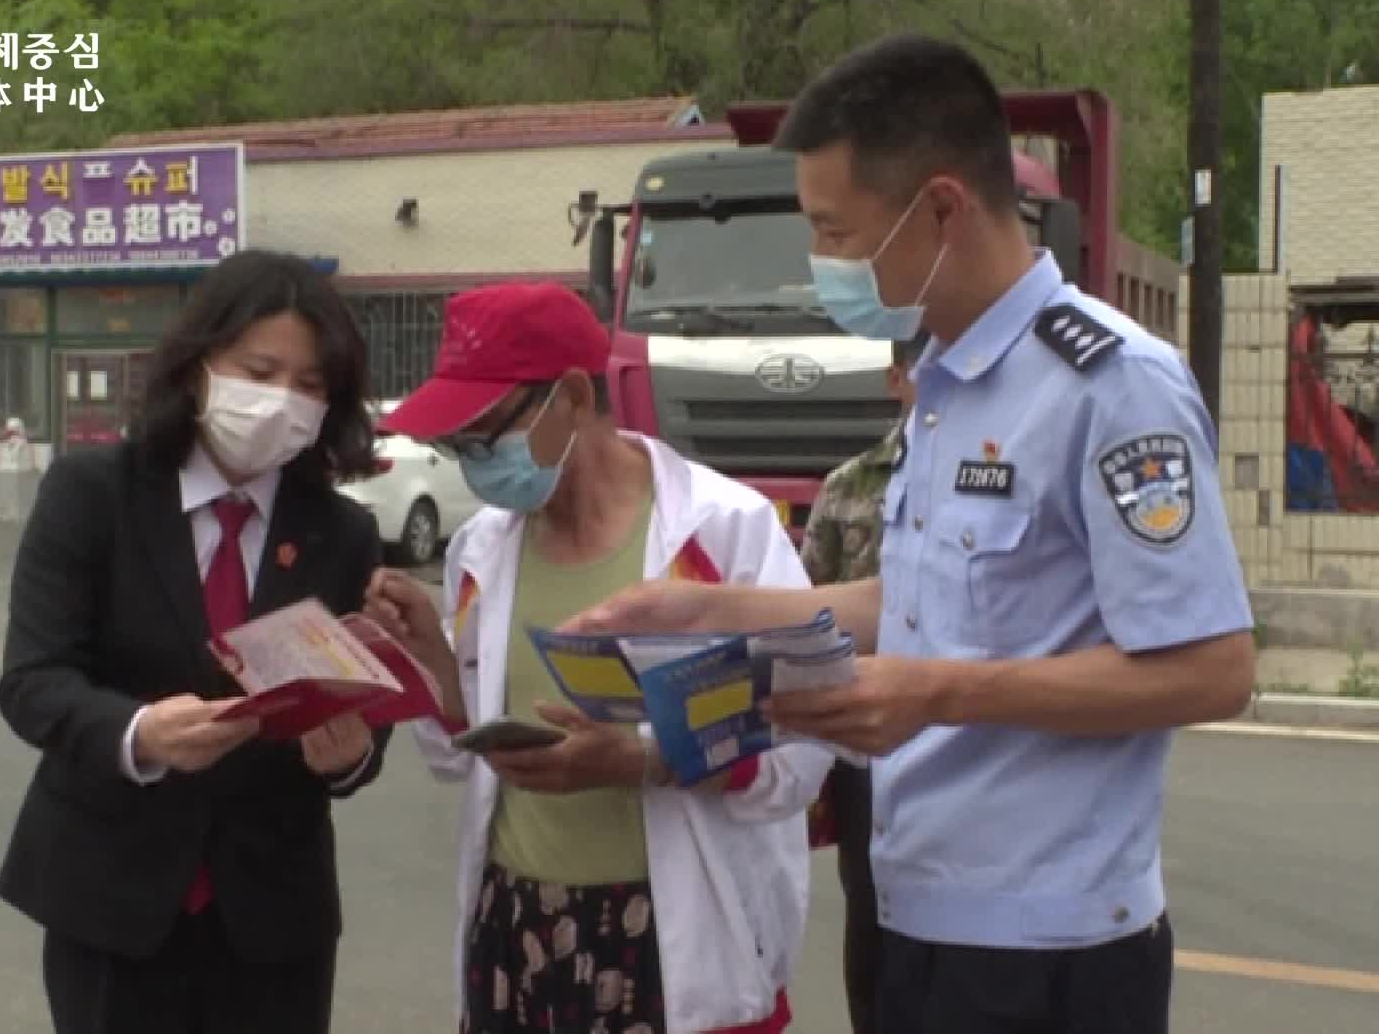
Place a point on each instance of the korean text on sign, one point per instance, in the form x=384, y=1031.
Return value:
x=156, y=206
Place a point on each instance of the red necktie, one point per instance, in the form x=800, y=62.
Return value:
x=226, y=592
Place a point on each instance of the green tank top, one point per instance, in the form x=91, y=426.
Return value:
x=581, y=839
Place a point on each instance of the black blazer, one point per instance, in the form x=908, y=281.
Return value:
x=106, y=615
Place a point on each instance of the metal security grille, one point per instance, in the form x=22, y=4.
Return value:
x=402, y=330
x=1345, y=423
x=1333, y=397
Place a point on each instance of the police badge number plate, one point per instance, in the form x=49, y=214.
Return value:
x=1150, y=481
x=988, y=478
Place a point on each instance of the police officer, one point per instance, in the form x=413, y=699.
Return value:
x=1058, y=584
x=842, y=543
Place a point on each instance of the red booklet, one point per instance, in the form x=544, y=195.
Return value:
x=302, y=666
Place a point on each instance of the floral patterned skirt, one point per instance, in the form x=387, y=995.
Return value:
x=562, y=960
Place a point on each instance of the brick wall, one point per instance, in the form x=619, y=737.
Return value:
x=1328, y=145
x=1276, y=547
x=478, y=211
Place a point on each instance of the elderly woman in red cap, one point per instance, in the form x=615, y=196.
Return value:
x=595, y=894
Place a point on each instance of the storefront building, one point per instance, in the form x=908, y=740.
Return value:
x=411, y=208
x=404, y=209
x=96, y=252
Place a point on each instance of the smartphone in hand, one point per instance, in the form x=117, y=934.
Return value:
x=507, y=734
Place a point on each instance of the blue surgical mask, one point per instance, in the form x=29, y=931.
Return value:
x=510, y=478
x=850, y=294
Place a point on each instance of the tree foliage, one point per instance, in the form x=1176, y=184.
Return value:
x=197, y=62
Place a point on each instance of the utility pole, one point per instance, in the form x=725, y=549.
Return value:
x=1205, y=314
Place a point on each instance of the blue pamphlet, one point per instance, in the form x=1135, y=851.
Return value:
x=702, y=694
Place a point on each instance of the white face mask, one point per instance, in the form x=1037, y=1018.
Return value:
x=253, y=428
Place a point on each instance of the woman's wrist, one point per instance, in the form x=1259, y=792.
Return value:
x=435, y=651
x=444, y=666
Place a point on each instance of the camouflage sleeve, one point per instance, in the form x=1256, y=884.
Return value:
x=822, y=548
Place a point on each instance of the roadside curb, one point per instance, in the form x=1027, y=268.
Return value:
x=1296, y=709
x=1288, y=710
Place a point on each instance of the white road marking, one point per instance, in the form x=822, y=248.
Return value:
x=1286, y=732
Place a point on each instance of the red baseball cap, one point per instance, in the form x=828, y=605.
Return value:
x=496, y=338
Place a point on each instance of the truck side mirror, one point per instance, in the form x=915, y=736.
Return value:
x=601, y=293
x=1060, y=231
x=581, y=214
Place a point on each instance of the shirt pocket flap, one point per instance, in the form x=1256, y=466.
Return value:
x=985, y=529
x=1002, y=530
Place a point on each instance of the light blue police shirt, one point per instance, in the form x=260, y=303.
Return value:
x=1043, y=507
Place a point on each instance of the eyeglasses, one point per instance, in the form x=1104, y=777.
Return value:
x=481, y=446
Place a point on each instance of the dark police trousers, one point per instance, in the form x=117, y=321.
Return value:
x=1116, y=988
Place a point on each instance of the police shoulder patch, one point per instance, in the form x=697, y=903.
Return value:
x=1079, y=340
x=1149, y=479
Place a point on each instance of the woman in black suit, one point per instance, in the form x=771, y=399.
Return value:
x=184, y=868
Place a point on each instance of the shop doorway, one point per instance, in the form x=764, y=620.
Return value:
x=97, y=392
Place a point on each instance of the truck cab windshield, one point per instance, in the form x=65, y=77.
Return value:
x=729, y=271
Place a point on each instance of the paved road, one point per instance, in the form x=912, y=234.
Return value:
x=1272, y=854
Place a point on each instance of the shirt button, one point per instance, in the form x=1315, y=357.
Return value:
x=967, y=540
x=879, y=829
x=919, y=524
x=911, y=622
x=930, y=419
x=1121, y=914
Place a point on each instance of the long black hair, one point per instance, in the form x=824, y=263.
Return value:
x=243, y=289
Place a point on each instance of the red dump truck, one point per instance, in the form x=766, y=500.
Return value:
x=719, y=344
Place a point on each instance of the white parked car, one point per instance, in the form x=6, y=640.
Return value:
x=418, y=496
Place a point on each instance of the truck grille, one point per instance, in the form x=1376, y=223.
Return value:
x=780, y=410
x=729, y=421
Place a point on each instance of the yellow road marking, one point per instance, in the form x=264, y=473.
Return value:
x=1272, y=969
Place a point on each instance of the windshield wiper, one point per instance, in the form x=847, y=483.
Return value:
x=689, y=317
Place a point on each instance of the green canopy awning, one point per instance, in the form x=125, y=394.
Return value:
x=94, y=275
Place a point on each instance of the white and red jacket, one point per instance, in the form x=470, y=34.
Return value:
x=729, y=873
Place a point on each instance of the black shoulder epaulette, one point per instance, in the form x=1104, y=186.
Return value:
x=1079, y=340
